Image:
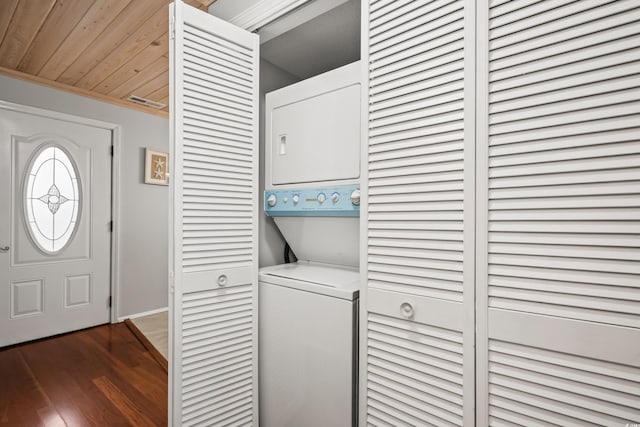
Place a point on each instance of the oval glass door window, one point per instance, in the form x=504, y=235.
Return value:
x=52, y=199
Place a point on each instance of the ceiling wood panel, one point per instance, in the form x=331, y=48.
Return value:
x=97, y=18
x=129, y=20
x=159, y=94
x=151, y=30
x=65, y=14
x=157, y=67
x=27, y=19
x=138, y=63
x=106, y=49
x=7, y=8
x=153, y=85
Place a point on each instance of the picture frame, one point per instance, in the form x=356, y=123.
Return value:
x=156, y=167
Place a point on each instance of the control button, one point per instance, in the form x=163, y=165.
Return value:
x=355, y=197
x=335, y=197
x=295, y=199
x=321, y=198
x=285, y=199
x=272, y=200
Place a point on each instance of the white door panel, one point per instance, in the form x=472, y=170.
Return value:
x=558, y=195
x=213, y=236
x=418, y=331
x=56, y=184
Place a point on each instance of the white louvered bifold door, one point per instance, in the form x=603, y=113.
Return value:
x=417, y=351
x=213, y=248
x=558, y=213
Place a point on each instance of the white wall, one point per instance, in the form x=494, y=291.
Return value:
x=144, y=208
x=271, y=244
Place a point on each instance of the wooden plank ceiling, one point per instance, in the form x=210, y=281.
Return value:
x=106, y=49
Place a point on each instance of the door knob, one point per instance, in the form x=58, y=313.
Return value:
x=4, y=249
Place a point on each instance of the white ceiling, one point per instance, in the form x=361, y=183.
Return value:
x=320, y=44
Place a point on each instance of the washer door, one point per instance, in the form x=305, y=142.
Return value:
x=306, y=358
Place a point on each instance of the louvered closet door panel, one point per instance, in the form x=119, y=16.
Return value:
x=214, y=70
x=563, y=212
x=419, y=212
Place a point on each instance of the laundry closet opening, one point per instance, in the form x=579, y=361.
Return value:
x=311, y=40
x=309, y=280
x=274, y=117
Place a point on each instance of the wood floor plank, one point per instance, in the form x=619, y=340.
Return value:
x=60, y=368
x=148, y=345
x=19, y=392
x=51, y=418
x=100, y=376
x=134, y=376
x=124, y=405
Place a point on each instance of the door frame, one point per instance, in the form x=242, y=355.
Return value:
x=116, y=132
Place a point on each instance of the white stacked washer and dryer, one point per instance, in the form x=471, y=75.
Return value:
x=308, y=310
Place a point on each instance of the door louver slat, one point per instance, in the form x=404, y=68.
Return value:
x=423, y=381
x=547, y=204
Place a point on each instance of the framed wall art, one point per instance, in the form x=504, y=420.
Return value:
x=156, y=167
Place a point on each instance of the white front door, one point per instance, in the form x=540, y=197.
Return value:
x=55, y=212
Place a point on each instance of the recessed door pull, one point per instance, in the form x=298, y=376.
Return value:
x=407, y=310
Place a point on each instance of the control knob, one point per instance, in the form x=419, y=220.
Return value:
x=321, y=198
x=295, y=199
x=272, y=200
x=335, y=197
x=355, y=197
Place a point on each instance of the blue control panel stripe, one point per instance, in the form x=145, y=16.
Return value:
x=319, y=201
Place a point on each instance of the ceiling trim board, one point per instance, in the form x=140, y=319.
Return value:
x=288, y=22
x=264, y=12
x=78, y=91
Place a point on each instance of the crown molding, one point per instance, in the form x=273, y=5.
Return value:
x=264, y=12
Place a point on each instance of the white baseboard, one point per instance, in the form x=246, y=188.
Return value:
x=145, y=313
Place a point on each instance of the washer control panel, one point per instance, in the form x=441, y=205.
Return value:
x=343, y=200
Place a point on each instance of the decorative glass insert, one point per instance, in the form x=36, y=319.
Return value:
x=52, y=199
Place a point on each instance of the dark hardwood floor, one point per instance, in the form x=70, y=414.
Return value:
x=101, y=376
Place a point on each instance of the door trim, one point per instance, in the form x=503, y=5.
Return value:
x=116, y=133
